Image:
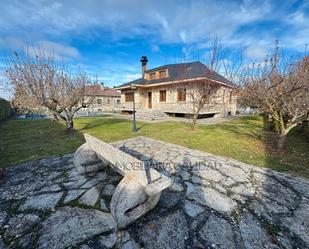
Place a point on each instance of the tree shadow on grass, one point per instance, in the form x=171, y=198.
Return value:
x=101, y=122
x=27, y=140
x=141, y=126
x=292, y=158
x=245, y=126
x=259, y=129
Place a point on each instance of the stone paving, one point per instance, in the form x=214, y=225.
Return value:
x=214, y=202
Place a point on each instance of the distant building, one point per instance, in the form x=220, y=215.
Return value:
x=105, y=100
x=164, y=91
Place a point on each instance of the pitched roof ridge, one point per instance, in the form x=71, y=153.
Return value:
x=194, y=69
x=173, y=64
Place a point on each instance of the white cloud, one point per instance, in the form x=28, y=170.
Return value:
x=256, y=52
x=167, y=21
x=161, y=21
x=298, y=34
x=52, y=24
x=155, y=48
x=57, y=50
x=12, y=42
x=134, y=76
x=113, y=75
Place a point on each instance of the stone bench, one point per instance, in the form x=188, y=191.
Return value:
x=140, y=189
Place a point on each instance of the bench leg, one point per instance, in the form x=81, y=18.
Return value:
x=86, y=160
x=130, y=201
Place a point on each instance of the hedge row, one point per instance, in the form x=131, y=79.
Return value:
x=5, y=109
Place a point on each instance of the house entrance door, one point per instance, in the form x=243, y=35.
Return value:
x=149, y=100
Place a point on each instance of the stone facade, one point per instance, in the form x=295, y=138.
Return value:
x=103, y=99
x=171, y=89
x=104, y=104
x=222, y=103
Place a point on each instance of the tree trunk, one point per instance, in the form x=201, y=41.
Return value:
x=1, y=173
x=284, y=133
x=281, y=141
x=55, y=118
x=69, y=124
x=278, y=122
x=194, y=120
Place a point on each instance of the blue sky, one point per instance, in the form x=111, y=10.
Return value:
x=106, y=38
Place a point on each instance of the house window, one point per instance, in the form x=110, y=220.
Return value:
x=162, y=74
x=99, y=101
x=129, y=97
x=152, y=76
x=99, y=110
x=108, y=101
x=162, y=95
x=181, y=95
x=118, y=101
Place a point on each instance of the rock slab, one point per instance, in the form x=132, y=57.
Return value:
x=167, y=232
x=68, y=226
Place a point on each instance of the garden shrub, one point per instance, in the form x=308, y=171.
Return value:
x=5, y=109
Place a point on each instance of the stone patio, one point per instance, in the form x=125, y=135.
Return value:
x=214, y=202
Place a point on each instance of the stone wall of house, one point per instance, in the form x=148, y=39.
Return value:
x=221, y=104
x=103, y=104
x=128, y=106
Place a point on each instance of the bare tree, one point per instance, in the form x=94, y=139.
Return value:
x=39, y=82
x=280, y=88
x=202, y=93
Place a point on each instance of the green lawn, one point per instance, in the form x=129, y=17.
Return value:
x=246, y=139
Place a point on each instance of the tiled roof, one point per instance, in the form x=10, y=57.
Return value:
x=181, y=71
x=101, y=91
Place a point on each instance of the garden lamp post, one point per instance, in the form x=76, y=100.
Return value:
x=134, y=129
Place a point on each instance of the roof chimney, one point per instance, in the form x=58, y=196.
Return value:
x=144, y=61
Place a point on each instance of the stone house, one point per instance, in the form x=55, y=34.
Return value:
x=104, y=99
x=165, y=90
